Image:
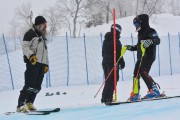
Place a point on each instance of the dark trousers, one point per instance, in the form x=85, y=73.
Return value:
x=108, y=90
x=144, y=72
x=34, y=75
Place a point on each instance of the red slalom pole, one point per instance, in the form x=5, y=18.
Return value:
x=104, y=81
x=123, y=50
x=115, y=78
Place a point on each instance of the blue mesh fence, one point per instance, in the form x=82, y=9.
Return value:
x=77, y=61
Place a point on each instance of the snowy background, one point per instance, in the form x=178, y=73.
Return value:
x=79, y=102
x=73, y=71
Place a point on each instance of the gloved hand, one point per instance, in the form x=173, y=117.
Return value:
x=129, y=47
x=46, y=69
x=33, y=59
x=122, y=65
x=147, y=43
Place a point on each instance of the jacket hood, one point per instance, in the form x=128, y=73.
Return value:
x=144, y=21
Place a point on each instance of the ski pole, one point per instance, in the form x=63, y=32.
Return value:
x=123, y=50
x=135, y=85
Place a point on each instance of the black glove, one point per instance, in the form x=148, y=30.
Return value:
x=147, y=43
x=129, y=47
x=33, y=59
x=122, y=65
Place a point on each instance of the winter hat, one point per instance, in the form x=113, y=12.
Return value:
x=118, y=28
x=39, y=20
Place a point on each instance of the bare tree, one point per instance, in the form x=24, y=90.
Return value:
x=24, y=14
x=137, y=4
x=54, y=20
x=21, y=21
x=175, y=7
x=94, y=14
x=13, y=31
x=106, y=8
x=149, y=7
x=72, y=10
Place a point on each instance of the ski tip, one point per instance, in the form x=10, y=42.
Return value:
x=56, y=110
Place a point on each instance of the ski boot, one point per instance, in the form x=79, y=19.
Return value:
x=133, y=97
x=23, y=109
x=153, y=93
x=30, y=107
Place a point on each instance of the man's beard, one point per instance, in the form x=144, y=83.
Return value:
x=42, y=30
x=44, y=33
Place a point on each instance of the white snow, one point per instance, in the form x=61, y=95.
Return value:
x=79, y=102
x=163, y=23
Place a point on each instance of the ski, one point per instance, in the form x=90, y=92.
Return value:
x=28, y=113
x=37, y=112
x=142, y=100
x=51, y=110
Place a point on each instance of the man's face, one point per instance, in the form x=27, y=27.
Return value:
x=42, y=27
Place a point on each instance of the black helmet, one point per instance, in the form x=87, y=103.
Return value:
x=118, y=28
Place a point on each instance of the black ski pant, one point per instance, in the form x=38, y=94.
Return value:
x=144, y=72
x=108, y=90
x=34, y=75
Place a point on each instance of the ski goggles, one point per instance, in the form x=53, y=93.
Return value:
x=137, y=24
x=117, y=29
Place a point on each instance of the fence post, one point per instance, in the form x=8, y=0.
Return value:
x=133, y=44
x=179, y=42
x=122, y=75
x=86, y=58
x=46, y=80
x=8, y=62
x=49, y=77
x=101, y=39
x=101, y=49
x=170, y=53
x=67, y=59
x=159, y=61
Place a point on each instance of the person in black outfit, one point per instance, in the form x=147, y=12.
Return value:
x=34, y=47
x=149, y=38
x=108, y=62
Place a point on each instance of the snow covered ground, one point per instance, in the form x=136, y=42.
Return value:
x=163, y=23
x=79, y=103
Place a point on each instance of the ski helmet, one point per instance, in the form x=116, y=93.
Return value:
x=117, y=27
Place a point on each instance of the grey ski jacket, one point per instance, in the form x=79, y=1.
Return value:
x=34, y=43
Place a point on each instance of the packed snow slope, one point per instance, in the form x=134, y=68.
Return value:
x=79, y=102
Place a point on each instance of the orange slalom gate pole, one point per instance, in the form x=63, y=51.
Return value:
x=115, y=78
x=123, y=50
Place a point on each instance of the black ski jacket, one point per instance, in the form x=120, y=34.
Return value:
x=146, y=33
x=108, y=50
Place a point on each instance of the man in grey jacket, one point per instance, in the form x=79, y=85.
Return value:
x=34, y=47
